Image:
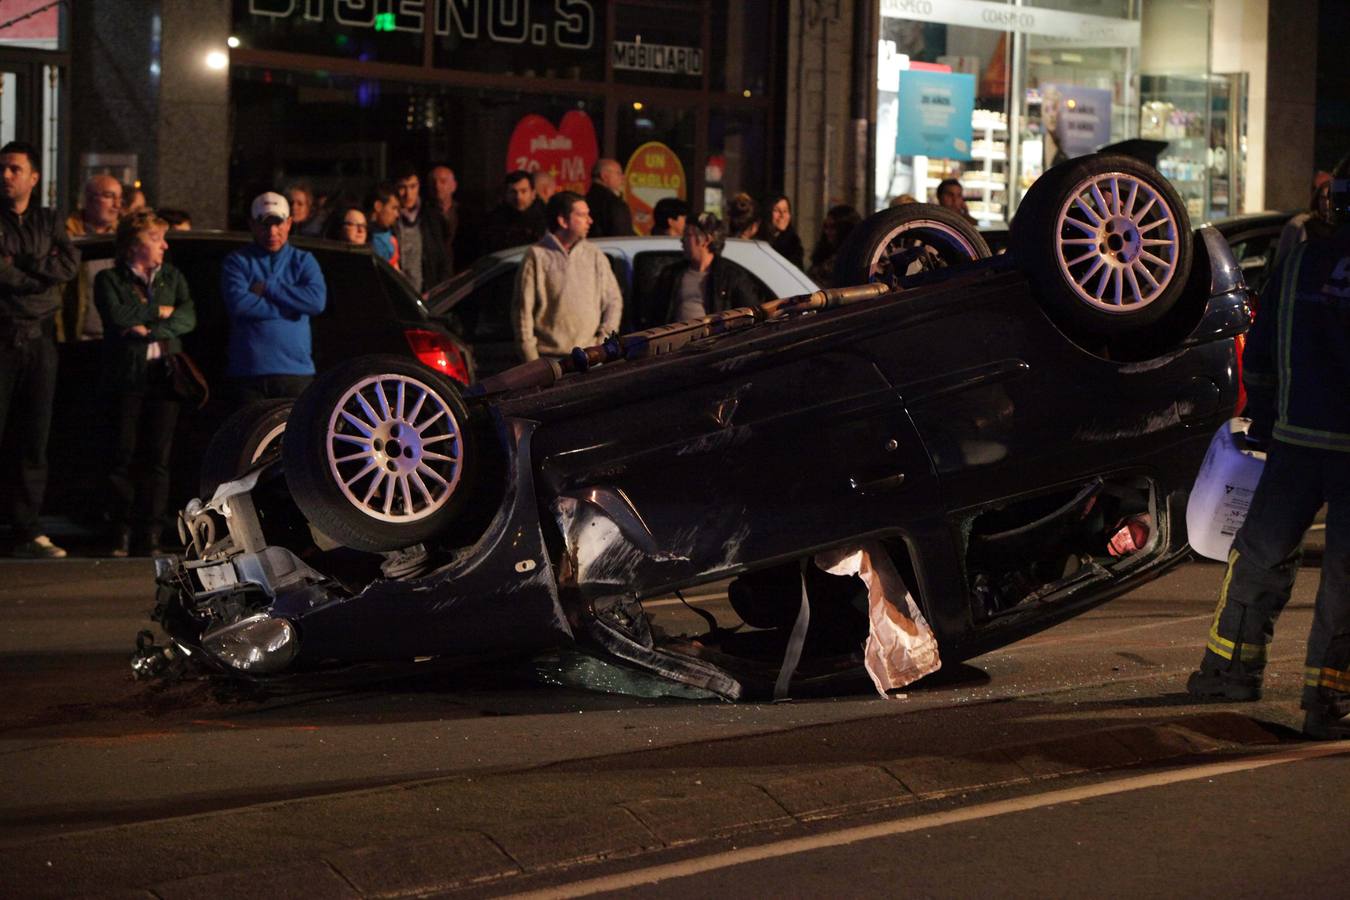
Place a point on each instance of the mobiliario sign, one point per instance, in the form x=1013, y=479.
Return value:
x=1077, y=28
x=569, y=24
x=638, y=56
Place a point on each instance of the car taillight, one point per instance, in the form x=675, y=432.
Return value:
x=1240, y=345
x=436, y=351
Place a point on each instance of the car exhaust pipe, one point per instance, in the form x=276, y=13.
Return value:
x=663, y=339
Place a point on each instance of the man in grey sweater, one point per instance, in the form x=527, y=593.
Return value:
x=566, y=295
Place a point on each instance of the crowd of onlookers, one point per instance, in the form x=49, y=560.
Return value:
x=414, y=221
x=427, y=202
x=139, y=306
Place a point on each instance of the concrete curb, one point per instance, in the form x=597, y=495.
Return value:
x=588, y=818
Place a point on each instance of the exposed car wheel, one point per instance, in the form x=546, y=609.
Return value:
x=378, y=453
x=1107, y=243
x=906, y=240
x=243, y=439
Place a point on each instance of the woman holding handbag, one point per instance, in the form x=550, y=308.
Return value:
x=146, y=309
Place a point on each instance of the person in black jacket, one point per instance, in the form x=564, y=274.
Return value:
x=421, y=238
x=781, y=235
x=36, y=259
x=146, y=310
x=669, y=217
x=704, y=282
x=839, y=223
x=519, y=218
x=609, y=211
x=1294, y=368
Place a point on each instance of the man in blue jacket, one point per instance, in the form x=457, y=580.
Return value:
x=270, y=291
x=1295, y=369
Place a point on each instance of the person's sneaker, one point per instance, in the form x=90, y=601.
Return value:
x=1322, y=725
x=1222, y=686
x=40, y=547
x=148, y=545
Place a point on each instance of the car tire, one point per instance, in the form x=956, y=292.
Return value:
x=379, y=454
x=1106, y=242
x=241, y=440
x=887, y=239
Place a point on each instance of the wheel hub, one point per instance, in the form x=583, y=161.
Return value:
x=1120, y=241
x=394, y=448
x=398, y=447
x=1116, y=242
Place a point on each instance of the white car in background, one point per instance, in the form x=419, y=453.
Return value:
x=477, y=302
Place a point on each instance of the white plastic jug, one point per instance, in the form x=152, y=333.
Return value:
x=1223, y=490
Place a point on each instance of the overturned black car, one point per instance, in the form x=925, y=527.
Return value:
x=1017, y=435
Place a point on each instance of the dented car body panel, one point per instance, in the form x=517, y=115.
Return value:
x=955, y=422
x=499, y=594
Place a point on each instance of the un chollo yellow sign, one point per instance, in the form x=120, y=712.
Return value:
x=653, y=172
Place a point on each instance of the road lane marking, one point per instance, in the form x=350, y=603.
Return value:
x=692, y=598
x=844, y=837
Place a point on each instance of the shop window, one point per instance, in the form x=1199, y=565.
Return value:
x=9, y=91
x=359, y=29
x=736, y=151
x=553, y=39
x=343, y=134
x=659, y=46
x=739, y=55
x=655, y=145
x=1042, y=93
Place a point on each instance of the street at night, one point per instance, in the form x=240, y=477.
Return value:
x=669, y=448
x=489, y=780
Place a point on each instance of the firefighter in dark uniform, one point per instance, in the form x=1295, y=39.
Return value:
x=1297, y=372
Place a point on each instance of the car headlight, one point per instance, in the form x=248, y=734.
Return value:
x=260, y=644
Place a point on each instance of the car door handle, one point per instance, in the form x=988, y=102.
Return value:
x=877, y=485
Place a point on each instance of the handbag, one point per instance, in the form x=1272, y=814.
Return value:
x=186, y=381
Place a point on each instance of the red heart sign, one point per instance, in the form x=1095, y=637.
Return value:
x=568, y=152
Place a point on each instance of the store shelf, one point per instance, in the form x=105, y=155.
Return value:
x=984, y=179
x=1200, y=118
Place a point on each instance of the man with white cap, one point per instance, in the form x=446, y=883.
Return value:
x=270, y=291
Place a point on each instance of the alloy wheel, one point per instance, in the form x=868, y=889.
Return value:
x=395, y=448
x=1117, y=242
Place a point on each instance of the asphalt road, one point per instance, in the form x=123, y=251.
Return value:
x=490, y=780
x=1133, y=836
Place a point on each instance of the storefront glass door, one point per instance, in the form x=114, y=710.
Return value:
x=1041, y=85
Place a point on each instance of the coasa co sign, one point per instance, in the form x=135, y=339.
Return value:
x=1069, y=27
x=570, y=24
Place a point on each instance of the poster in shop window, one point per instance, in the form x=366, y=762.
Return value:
x=934, y=110
x=653, y=172
x=567, y=151
x=1077, y=120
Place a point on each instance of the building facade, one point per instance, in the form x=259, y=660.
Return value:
x=834, y=101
